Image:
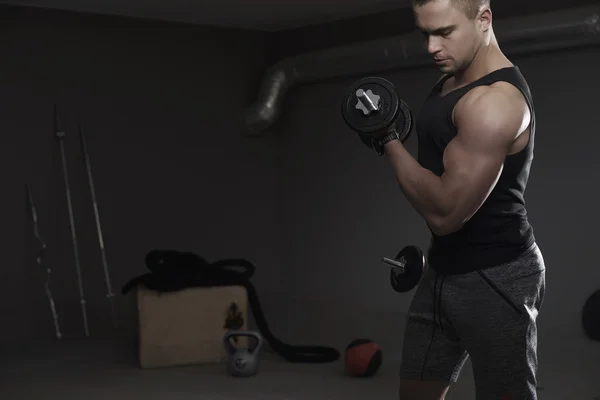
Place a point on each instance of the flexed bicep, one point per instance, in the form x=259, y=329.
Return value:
x=488, y=122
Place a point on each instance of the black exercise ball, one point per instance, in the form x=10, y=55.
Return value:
x=363, y=358
x=591, y=316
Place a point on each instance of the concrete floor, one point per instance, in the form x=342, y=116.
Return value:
x=93, y=371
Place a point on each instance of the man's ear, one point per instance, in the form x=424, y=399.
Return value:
x=485, y=18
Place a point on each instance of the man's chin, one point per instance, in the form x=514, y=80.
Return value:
x=446, y=69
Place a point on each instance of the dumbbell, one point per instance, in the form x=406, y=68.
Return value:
x=372, y=107
x=407, y=268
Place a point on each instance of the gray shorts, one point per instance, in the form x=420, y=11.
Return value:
x=489, y=315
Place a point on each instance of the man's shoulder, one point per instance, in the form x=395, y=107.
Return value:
x=497, y=95
x=499, y=104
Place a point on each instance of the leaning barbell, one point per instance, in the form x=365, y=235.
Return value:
x=407, y=268
x=372, y=106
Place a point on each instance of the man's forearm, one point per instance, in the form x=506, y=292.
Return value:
x=423, y=189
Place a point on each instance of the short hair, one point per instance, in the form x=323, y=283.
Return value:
x=470, y=7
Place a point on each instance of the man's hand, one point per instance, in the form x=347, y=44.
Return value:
x=488, y=119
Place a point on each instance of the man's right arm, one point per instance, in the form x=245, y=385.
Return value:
x=488, y=122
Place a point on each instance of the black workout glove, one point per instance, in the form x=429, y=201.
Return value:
x=377, y=141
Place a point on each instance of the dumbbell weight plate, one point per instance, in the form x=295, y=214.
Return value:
x=414, y=263
x=404, y=121
x=376, y=121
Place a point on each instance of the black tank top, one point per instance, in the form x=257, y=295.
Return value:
x=500, y=230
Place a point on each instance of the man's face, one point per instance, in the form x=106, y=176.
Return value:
x=452, y=38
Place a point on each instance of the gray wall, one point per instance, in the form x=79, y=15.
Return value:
x=343, y=209
x=162, y=106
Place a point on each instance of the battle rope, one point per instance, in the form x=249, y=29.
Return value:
x=173, y=270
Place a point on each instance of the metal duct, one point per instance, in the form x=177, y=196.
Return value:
x=520, y=35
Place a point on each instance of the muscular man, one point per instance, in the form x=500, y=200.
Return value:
x=484, y=287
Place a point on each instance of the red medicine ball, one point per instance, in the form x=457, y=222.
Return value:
x=363, y=358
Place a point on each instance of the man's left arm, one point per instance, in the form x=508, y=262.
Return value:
x=488, y=121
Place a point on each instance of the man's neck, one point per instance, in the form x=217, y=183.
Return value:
x=488, y=58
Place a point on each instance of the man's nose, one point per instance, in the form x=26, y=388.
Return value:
x=433, y=45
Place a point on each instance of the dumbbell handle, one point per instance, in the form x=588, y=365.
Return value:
x=394, y=264
x=366, y=101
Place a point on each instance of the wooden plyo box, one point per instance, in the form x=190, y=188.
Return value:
x=188, y=326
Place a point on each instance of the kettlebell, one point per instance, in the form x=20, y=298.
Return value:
x=242, y=361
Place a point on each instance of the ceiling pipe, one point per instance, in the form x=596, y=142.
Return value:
x=556, y=30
